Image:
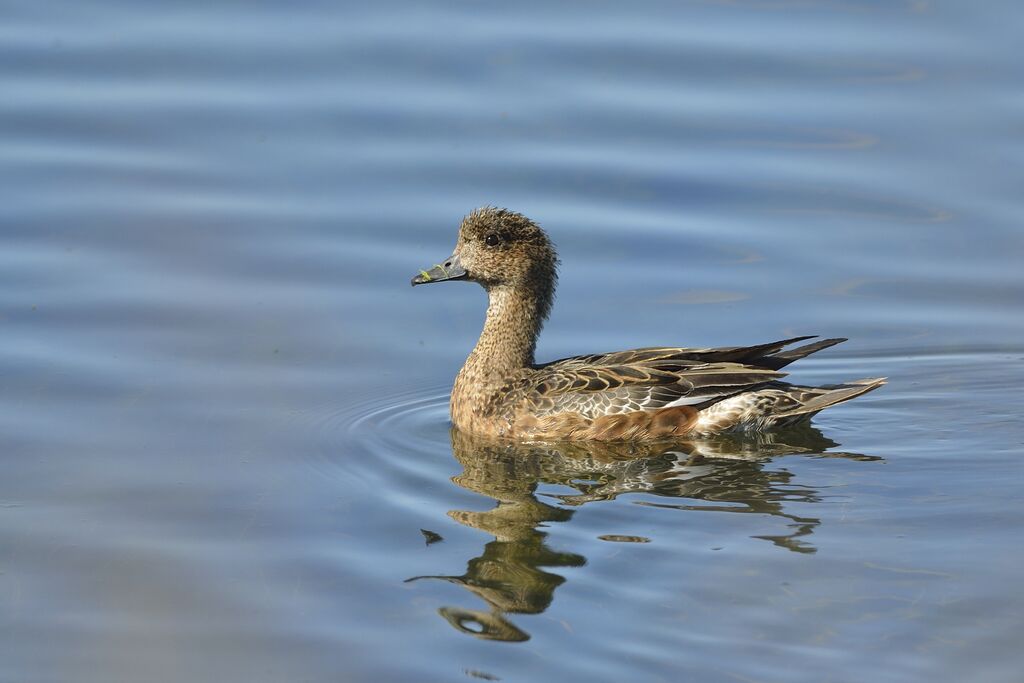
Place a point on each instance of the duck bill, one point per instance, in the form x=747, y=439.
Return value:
x=451, y=269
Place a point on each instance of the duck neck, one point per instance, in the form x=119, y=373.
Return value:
x=514, y=320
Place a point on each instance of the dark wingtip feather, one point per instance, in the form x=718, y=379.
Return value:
x=784, y=358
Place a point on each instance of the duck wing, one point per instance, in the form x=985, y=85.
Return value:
x=771, y=355
x=644, y=381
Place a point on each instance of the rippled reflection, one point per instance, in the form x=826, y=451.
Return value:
x=724, y=473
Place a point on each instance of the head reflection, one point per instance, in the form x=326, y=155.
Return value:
x=724, y=473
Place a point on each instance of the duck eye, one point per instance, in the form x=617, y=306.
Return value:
x=492, y=240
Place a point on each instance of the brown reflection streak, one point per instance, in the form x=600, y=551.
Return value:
x=889, y=74
x=724, y=474
x=924, y=214
x=745, y=257
x=916, y=6
x=696, y=297
x=813, y=139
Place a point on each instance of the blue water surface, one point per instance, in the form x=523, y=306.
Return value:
x=226, y=453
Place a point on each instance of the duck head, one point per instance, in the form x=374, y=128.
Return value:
x=499, y=249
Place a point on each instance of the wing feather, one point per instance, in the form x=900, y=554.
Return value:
x=747, y=355
x=647, y=383
x=653, y=378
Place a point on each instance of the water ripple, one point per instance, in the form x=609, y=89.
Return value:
x=388, y=440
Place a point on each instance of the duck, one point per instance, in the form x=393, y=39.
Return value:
x=642, y=394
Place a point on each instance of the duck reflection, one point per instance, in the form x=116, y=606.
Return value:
x=724, y=473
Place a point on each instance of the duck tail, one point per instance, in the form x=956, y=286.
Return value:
x=811, y=401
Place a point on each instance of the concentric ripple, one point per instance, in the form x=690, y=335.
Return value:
x=391, y=441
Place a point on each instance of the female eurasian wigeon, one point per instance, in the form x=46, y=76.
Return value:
x=642, y=394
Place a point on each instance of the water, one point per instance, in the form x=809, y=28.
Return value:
x=226, y=453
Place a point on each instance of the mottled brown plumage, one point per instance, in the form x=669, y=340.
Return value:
x=641, y=394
